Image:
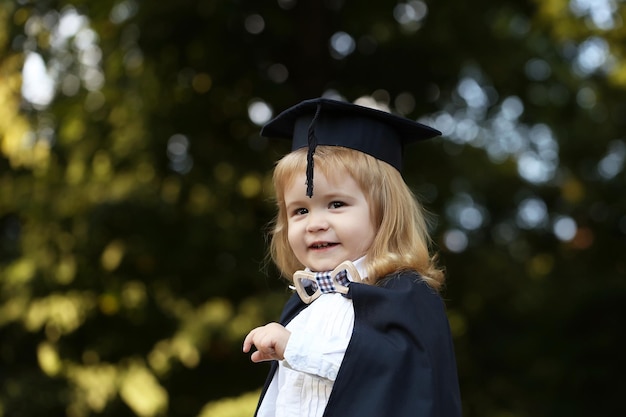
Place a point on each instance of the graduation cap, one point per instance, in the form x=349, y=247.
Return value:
x=323, y=121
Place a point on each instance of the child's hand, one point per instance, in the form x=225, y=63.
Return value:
x=270, y=341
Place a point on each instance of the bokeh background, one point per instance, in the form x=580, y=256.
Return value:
x=135, y=191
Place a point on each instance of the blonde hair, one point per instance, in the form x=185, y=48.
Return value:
x=401, y=241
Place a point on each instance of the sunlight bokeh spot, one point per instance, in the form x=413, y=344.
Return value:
x=123, y=11
x=19, y=272
x=250, y=185
x=564, y=228
x=66, y=270
x=202, y=82
x=456, y=240
x=216, y=311
x=178, y=153
x=472, y=93
x=465, y=212
x=101, y=165
x=537, y=69
x=404, y=103
x=458, y=323
x=183, y=348
x=142, y=392
x=512, y=108
x=134, y=294
x=341, y=45
x=411, y=11
x=13, y=309
x=240, y=325
x=586, y=98
x=613, y=162
x=259, y=112
x=94, y=386
x=532, y=213
x=159, y=357
x=112, y=255
x=48, y=359
x=593, y=55
x=410, y=14
x=94, y=100
x=254, y=24
x=65, y=311
x=72, y=130
x=278, y=73
x=38, y=86
x=134, y=61
x=601, y=13
x=109, y=304
x=243, y=405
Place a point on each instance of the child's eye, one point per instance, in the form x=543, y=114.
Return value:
x=336, y=204
x=300, y=211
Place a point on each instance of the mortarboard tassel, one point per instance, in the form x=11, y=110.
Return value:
x=309, y=156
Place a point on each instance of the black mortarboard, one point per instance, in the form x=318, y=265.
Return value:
x=330, y=122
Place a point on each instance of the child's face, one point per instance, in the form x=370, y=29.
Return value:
x=331, y=227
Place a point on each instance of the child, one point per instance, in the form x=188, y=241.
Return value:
x=370, y=338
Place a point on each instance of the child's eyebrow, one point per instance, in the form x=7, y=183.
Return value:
x=338, y=196
x=295, y=203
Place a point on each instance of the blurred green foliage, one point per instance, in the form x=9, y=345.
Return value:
x=134, y=191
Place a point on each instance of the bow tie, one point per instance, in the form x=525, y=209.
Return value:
x=310, y=285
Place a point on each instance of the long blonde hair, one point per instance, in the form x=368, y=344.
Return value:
x=401, y=241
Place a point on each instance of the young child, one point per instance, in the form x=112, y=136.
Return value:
x=365, y=334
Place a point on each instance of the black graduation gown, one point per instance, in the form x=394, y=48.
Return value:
x=400, y=359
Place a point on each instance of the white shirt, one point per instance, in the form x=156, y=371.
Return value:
x=319, y=337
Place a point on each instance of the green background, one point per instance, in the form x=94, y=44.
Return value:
x=135, y=192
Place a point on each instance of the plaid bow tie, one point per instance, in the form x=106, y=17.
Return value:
x=310, y=285
x=324, y=281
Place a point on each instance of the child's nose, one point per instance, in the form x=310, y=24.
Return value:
x=316, y=221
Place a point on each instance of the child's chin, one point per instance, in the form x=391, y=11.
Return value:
x=324, y=267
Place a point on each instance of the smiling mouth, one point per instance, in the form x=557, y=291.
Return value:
x=322, y=245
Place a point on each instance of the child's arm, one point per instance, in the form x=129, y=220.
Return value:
x=301, y=351
x=316, y=355
x=270, y=341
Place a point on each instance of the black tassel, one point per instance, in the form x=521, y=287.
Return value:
x=309, y=156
